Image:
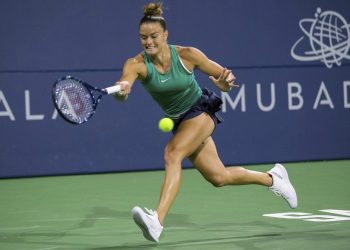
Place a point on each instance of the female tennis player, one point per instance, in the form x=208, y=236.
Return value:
x=166, y=72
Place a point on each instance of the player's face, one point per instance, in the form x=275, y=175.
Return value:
x=153, y=37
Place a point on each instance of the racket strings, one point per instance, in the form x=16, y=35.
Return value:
x=74, y=100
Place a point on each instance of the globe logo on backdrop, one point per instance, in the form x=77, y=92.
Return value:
x=328, y=38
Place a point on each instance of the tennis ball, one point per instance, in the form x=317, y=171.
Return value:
x=166, y=125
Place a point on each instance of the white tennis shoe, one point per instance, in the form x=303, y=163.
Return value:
x=281, y=185
x=148, y=222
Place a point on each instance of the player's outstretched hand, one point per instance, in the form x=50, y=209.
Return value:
x=226, y=80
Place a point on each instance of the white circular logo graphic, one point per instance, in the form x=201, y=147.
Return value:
x=329, y=39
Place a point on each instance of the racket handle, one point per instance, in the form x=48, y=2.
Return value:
x=112, y=90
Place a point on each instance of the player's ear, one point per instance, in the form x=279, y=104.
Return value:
x=166, y=34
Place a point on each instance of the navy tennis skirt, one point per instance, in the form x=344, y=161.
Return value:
x=209, y=103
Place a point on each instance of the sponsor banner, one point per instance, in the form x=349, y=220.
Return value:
x=292, y=63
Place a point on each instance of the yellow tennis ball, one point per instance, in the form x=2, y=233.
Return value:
x=166, y=125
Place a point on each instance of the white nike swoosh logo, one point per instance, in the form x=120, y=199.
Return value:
x=163, y=81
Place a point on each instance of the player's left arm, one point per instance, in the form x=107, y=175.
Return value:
x=222, y=77
x=127, y=79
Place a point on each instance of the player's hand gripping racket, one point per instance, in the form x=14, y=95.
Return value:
x=76, y=101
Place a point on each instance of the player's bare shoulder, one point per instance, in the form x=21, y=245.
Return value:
x=186, y=55
x=185, y=52
x=136, y=61
x=190, y=55
x=137, y=65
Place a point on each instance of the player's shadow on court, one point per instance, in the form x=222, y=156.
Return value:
x=242, y=236
x=193, y=243
x=250, y=242
x=178, y=223
x=98, y=213
x=238, y=235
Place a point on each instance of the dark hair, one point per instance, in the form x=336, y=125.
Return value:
x=152, y=12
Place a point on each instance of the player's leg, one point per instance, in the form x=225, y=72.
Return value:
x=208, y=163
x=189, y=136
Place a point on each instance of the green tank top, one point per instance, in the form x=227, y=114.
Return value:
x=176, y=90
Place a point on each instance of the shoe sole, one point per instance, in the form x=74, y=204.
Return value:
x=285, y=173
x=137, y=214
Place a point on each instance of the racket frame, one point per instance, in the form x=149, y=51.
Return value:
x=90, y=89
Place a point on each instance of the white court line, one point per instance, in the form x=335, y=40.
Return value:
x=17, y=228
x=25, y=211
x=73, y=219
x=48, y=248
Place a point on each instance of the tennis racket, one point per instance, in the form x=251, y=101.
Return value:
x=75, y=100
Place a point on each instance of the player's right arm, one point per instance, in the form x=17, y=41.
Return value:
x=132, y=70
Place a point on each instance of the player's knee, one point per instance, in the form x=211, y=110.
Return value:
x=217, y=180
x=172, y=154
